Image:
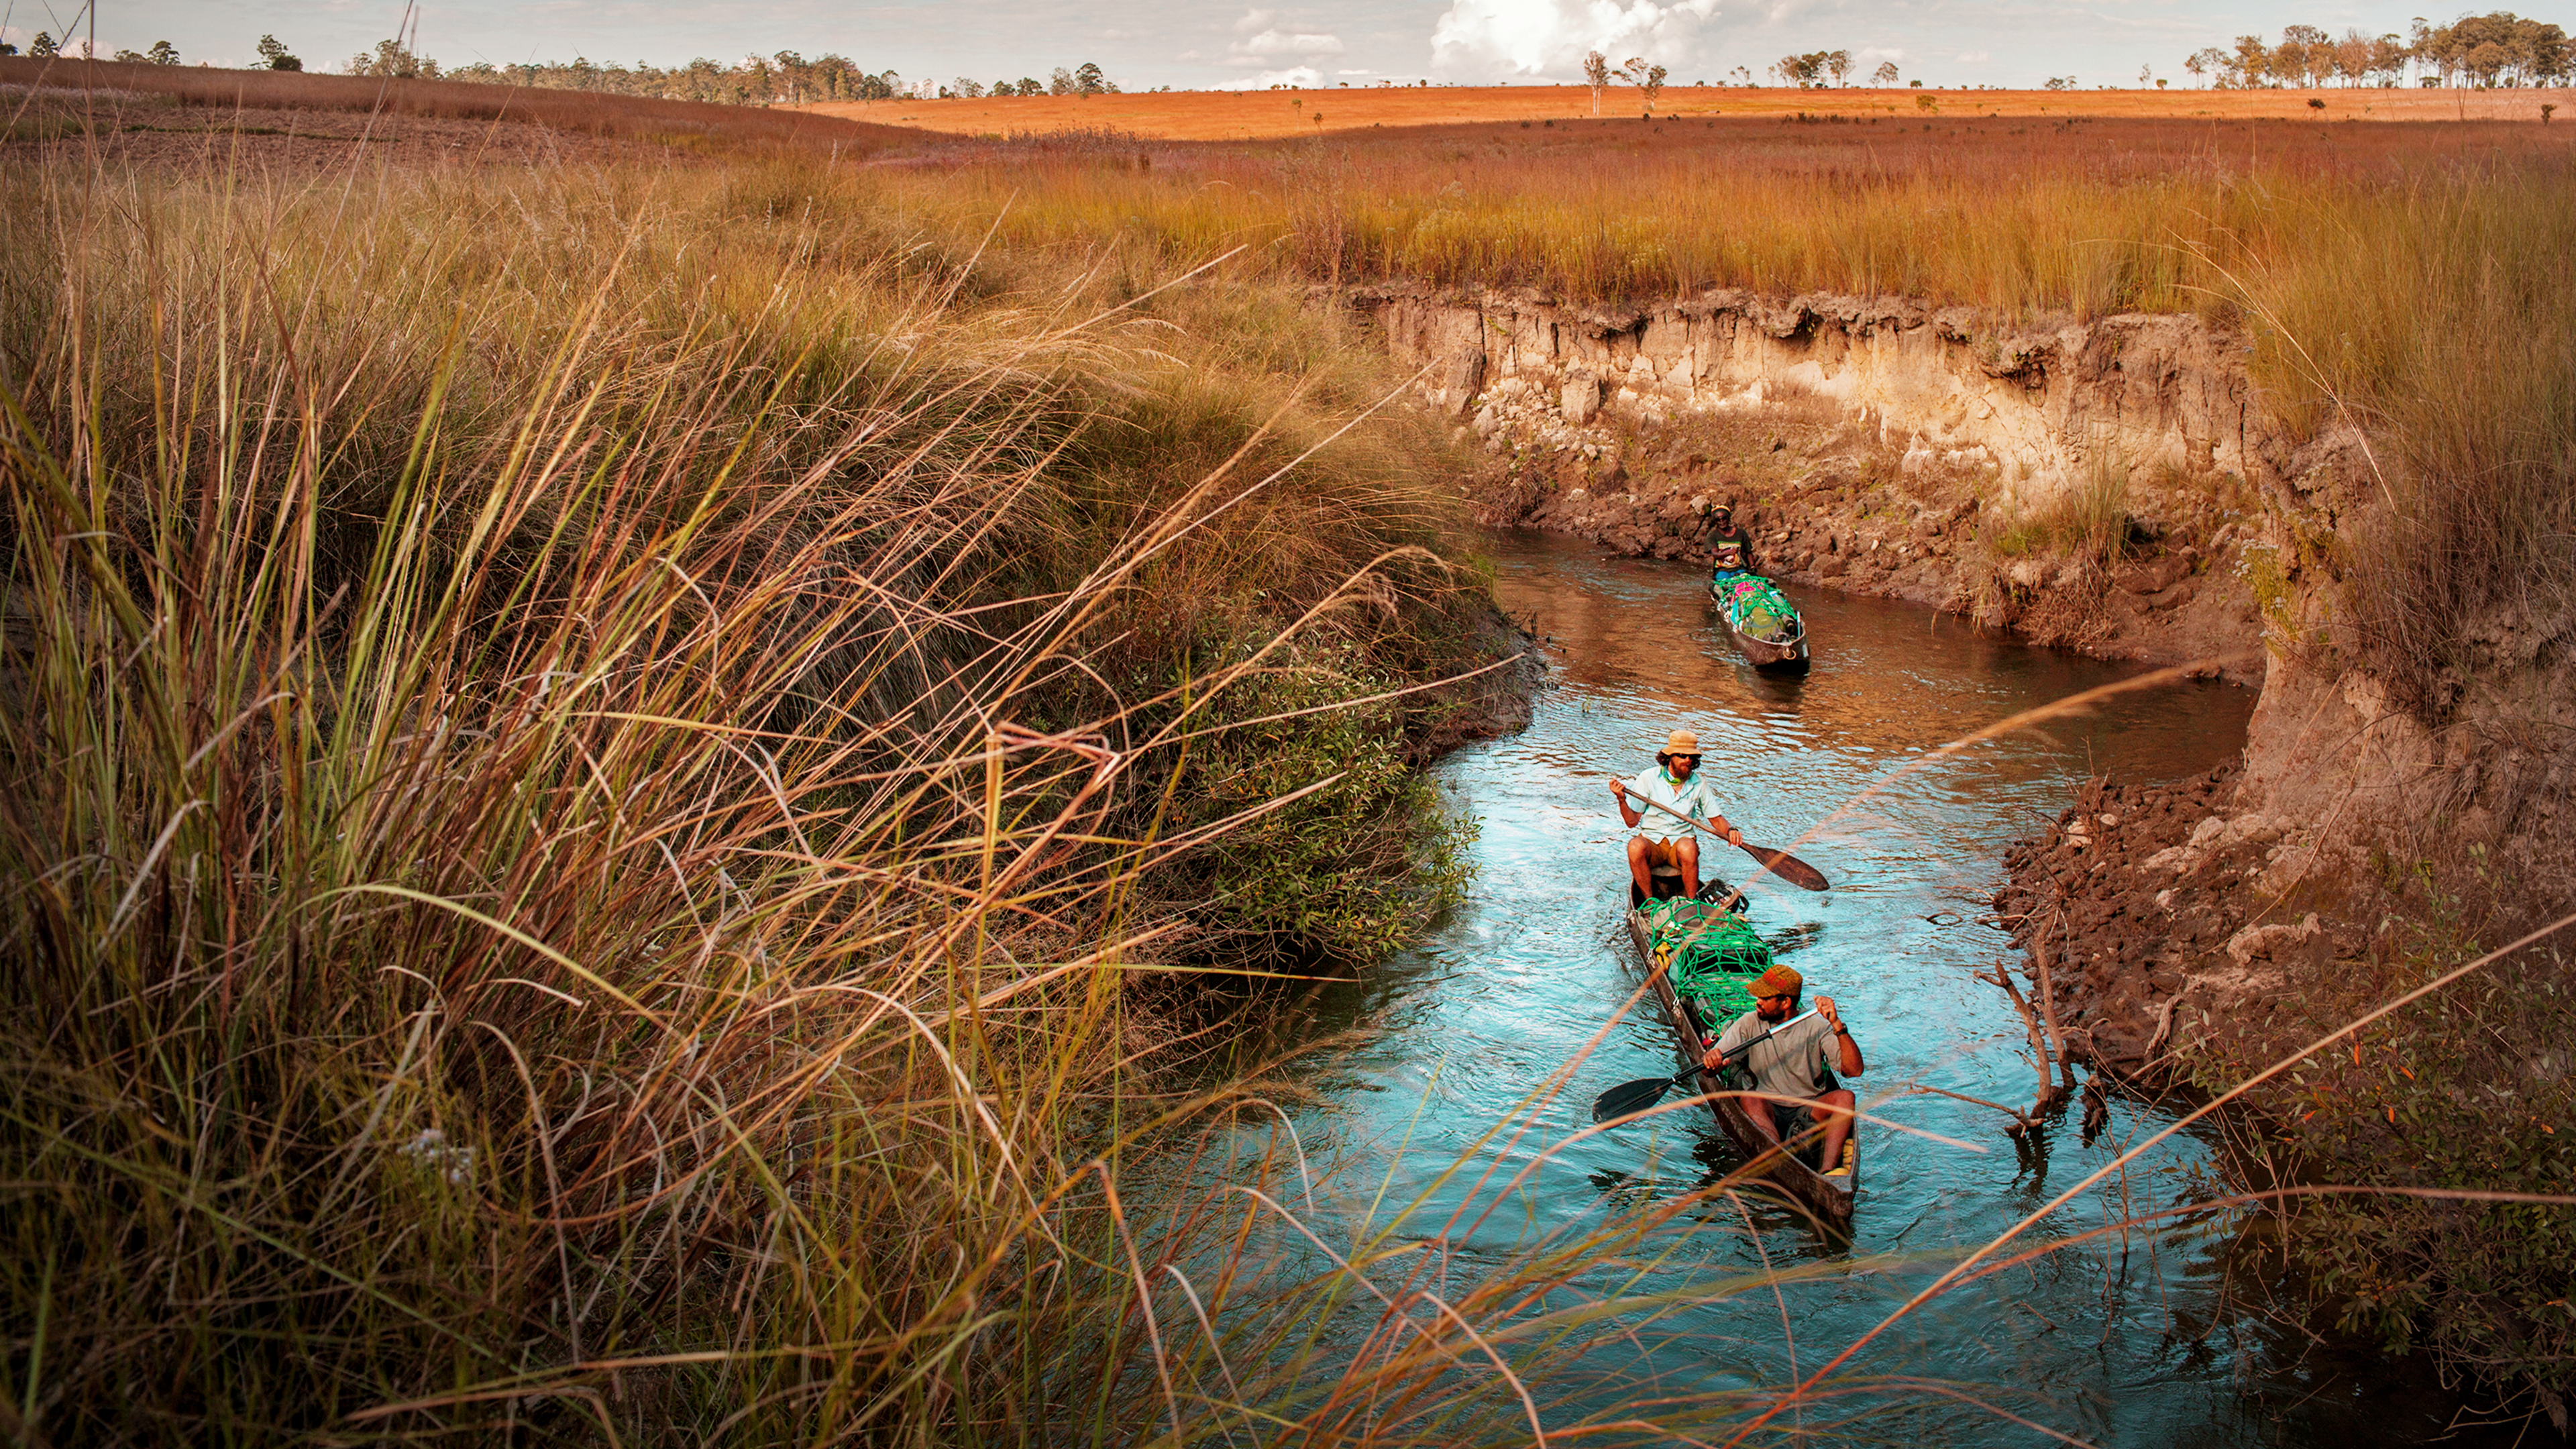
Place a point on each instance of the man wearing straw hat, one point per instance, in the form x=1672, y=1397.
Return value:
x=1795, y=1069
x=1676, y=784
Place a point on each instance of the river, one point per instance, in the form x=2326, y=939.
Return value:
x=2148, y=1337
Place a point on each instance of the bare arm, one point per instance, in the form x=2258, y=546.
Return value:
x=1628, y=814
x=1724, y=829
x=1851, y=1064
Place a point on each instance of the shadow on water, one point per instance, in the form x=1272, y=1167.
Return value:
x=2133, y=1337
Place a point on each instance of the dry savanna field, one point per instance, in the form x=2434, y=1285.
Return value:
x=1272, y=114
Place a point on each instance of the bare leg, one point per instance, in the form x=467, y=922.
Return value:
x=1637, y=867
x=1686, y=850
x=1834, y=1110
x=1759, y=1109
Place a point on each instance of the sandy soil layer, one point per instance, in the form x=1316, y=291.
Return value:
x=1828, y=506
x=1257, y=115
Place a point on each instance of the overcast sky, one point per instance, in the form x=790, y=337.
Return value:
x=1210, y=43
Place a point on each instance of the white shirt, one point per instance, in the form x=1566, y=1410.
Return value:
x=1693, y=797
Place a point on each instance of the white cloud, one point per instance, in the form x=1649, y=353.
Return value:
x=1254, y=20
x=1304, y=77
x=1270, y=44
x=1487, y=40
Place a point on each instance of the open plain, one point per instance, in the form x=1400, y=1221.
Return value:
x=1264, y=115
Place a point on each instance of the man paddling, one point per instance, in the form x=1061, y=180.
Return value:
x=1676, y=784
x=1799, y=1063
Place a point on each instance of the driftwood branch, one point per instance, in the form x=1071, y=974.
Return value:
x=2048, y=1011
x=2023, y=1122
x=2050, y=1094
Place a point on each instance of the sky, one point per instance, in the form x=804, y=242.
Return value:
x=1209, y=44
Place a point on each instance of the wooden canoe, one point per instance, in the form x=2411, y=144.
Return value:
x=1828, y=1200
x=1772, y=656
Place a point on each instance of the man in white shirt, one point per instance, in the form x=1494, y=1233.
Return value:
x=1676, y=784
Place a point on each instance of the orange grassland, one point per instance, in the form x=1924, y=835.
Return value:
x=1262, y=115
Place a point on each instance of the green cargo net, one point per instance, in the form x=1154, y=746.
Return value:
x=1713, y=955
x=1759, y=610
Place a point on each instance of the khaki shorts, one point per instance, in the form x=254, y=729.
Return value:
x=1663, y=852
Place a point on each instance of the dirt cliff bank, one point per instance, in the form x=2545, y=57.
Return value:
x=2091, y=485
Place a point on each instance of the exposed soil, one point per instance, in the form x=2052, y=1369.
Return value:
x=1829, y=504
x=2165, y=922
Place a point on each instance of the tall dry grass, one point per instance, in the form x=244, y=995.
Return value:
x=597, y=781
x=2439, y=315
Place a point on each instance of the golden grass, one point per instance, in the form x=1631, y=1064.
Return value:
x=632, y=117
x=1272, y=115
x=583, y=809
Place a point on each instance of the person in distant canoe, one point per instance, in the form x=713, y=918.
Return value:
x=1800, y=1064
x=1676, y=784
x=1730, y=547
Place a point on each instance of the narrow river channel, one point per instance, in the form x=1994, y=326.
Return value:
x=2145, y=1338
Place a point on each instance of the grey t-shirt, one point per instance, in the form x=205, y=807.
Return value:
x=1796, y=1063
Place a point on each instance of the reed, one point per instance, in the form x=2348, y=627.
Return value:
x=590, y=772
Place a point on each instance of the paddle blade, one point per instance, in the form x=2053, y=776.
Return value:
x=1788, y=867
x=1629, y=1098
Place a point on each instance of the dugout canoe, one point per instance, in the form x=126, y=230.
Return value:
x=1785, y=655
x=1828, y=1200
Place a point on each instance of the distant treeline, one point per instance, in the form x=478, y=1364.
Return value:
x=2499, y=49
x=752, y=81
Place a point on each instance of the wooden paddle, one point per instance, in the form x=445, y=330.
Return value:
x=1629, y=1098
x=1779, y=862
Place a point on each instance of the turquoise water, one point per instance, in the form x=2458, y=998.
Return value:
x=2169, y=1336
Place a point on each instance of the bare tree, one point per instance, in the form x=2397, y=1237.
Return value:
x=1840, y=63
x=1596, y=74
x=1885, y=75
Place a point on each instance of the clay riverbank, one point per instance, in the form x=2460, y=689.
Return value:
x=2091, y=485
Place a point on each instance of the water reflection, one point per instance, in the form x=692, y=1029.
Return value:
x=2131, y=1339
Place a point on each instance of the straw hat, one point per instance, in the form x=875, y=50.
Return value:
x=1779, y=981
x=1680, y=742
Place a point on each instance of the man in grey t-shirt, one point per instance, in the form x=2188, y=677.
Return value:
x=1798, y=1064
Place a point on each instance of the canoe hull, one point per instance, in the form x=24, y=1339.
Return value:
x=1769, y=657
x=1829, y=1200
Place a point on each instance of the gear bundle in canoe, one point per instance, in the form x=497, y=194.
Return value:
x=1762, y=621
x=1757, y=608
x=1711, y=954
